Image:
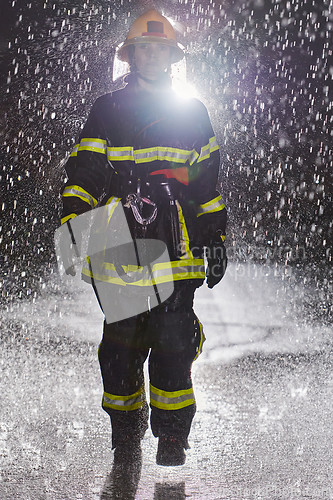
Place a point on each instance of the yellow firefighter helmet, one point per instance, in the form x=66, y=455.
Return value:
x=148, y=28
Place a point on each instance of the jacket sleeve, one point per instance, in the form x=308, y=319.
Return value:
x=87, y=168
x=203, y=177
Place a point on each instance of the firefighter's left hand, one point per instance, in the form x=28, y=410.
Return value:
x=71, y=270
x=217, y=262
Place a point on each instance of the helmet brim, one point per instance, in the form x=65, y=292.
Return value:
x=177, y=53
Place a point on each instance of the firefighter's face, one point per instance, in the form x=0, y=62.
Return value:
x=151, y=59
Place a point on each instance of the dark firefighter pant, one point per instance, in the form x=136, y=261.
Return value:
x=172, y=337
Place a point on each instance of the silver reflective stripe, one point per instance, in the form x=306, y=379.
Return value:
x=147, y=155
x=171, y=400
x=193, y=156
x=120, y=402
x=75, y=150
x=106, y=272
x=208, y=149
x=121, y=153
x=213, y=145
x=109, y=271
x=211, y=206
x=181, y=270
x=94, y=145
x=80, y=193
x=161, y=153
x=111, y=205
x=131, y=402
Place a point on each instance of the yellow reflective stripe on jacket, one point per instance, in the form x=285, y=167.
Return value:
x=193, y=157
x=68, y=217
x=162, y=153
x=211, y=206
x=127, y=153
x=208, y=149
x=161, y=272
x=75, y=150
x=184, y=238
x=125, y=403
x=80, y=193
x=120, y=154
x=106, y=272
x=171, y=400
x=111, y=204
x=179, y=270
x=93, y=145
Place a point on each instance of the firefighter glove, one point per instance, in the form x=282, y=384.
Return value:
x=216, y=262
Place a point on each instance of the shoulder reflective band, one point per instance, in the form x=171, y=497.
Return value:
x=208, y=149
x=171, y=400
x=125, y=403
x=80, y=193
x=211, y=206
x=161, y=273
x=90, y=144
x=75, y=150
x=68, y=217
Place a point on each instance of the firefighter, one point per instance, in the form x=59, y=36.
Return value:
x=154, y=155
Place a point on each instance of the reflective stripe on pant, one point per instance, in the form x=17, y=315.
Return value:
x=166, y=400
x=172, y=398
x=125, y=403
x=124, y=397
x=173, y=337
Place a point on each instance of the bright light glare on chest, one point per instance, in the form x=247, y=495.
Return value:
x=184, y=89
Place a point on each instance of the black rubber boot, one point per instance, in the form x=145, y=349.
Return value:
x=170, y=452
x=128, y=425
x=128, y=451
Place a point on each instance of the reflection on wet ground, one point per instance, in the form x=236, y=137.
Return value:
x=168, y=491
x=122, y=482
x=264, y=405
x=262, y=430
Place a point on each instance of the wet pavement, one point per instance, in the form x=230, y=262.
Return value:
x=263, y=427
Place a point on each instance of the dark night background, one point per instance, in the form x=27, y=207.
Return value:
x=263, y=69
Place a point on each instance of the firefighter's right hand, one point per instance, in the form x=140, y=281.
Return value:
x=68, y=250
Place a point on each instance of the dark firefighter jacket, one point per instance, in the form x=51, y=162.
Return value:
x=136, y=137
